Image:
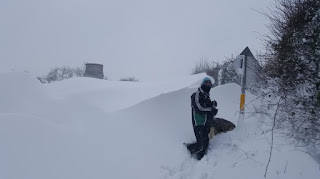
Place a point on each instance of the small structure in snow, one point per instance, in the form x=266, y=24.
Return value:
x=94, y=70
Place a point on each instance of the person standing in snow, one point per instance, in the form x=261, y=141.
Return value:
x=203, y=112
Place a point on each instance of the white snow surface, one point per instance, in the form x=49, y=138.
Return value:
x=88, y=128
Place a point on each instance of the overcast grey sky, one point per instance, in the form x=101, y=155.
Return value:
x=148, y=39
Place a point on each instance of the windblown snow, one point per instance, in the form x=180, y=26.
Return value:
x=88, y=128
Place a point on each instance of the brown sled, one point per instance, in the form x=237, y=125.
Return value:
x=221, y=125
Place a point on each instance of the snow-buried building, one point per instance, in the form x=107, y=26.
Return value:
x=94, y=70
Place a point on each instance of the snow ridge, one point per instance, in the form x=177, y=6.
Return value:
x=88, y=128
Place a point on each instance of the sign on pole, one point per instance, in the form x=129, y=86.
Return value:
x=247, y=67
x=238, y=65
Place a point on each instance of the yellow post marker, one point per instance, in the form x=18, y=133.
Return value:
x=243, y=86
x=242, y=102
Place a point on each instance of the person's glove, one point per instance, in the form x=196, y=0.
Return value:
x=214, y=111
x=214, y=103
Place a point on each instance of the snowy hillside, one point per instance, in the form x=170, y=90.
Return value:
x=87, y=128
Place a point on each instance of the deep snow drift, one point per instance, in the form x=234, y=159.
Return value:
x=89, y=128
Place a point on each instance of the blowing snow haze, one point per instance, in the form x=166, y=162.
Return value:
x=147, y=39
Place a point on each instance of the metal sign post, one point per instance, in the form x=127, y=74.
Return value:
x=246, y=66
x=243, y=86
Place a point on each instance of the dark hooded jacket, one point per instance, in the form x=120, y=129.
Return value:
x=201, y=107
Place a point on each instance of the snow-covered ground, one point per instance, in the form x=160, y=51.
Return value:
x=90, y=128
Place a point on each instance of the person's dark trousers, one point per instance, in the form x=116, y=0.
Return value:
x=199, y=149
